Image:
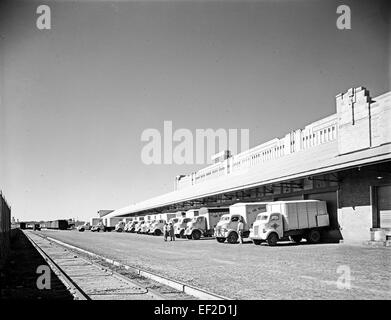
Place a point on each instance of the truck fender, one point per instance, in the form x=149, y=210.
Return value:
x=197, y=230
x=231, y=231
x=269, y=232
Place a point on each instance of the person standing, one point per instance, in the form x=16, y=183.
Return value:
x=172, y=235
x=165, y=231
x=240, y=229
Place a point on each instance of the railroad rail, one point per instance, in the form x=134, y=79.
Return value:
x=86, y=279
x=67, y=266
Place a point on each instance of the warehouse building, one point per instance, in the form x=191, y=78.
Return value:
x=343, y=159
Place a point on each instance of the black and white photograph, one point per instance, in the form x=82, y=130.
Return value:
x=195, y=153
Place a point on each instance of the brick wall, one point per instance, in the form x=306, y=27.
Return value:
x=355, y=206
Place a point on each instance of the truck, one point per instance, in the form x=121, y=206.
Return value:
x=132, y=225
x=138, y=226
x=98, y=227
x=95, y=221
x=226, y=228
x=291, y=220
x=83, y=227
x=203, y=225
x=129, y=227
x=120, y=226
x=110, y=223
x=146, y=226
x=157, y=226
x=181, y=225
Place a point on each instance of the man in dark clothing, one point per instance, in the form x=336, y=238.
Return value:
x=166, y=231
x=172, y=235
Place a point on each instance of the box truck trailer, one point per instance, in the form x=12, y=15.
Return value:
x=181, y=225
x=226, y=228
x=292, y=220
x=203, y=225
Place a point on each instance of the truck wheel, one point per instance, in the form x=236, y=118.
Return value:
x=296, y=239
x=232, y=238
x=221, y=240
x=119, y=230
x=272, y=239
x=313, y=236
x=157, y=232
x=196, y=235
x=189, y=237
x=257, y=242
x=177, y=236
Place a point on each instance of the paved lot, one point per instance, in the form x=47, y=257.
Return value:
x=248, y=271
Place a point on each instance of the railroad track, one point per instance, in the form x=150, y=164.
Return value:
x=87, y=279
x=90, y=276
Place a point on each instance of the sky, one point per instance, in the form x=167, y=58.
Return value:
x=75, y=99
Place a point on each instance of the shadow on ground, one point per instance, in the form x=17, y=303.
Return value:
x=18, y=278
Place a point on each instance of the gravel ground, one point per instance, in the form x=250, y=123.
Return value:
x=247, y=271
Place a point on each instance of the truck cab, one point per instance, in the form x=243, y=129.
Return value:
x=138, y=226
x=195, y=228
x=180, y=226
x=146, y=226
x=131, y=226
x=99, y=227
x=157, y=227
x=226, y=228
x=120, y=226
x=265, y=224
x=84, y=227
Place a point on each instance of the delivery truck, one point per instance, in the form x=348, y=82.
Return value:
x=138, y=226
x=157, y=227
x=95, y=221
x=134, y=224
x=203, y=225
x=181, y=225
x=98, y=227
x=83, y=227
x=226, y=228
x=129, y=227
x=120, y=226
x=144, y=229
x=110, y=223
x=292, y=220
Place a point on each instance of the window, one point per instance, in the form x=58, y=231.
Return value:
x=274, y=217
x=235, y=218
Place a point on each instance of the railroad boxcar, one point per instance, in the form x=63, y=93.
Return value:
x=57, y=224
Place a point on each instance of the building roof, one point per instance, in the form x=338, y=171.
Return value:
x=316, y=160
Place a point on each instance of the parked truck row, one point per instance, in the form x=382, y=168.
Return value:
x=268, y=222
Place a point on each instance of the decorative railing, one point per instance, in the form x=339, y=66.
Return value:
x=316, y=133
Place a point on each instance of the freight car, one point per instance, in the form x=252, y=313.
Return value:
x=57, y=224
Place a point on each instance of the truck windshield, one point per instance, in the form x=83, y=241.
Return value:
x=225, y=218
x=262, y=217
